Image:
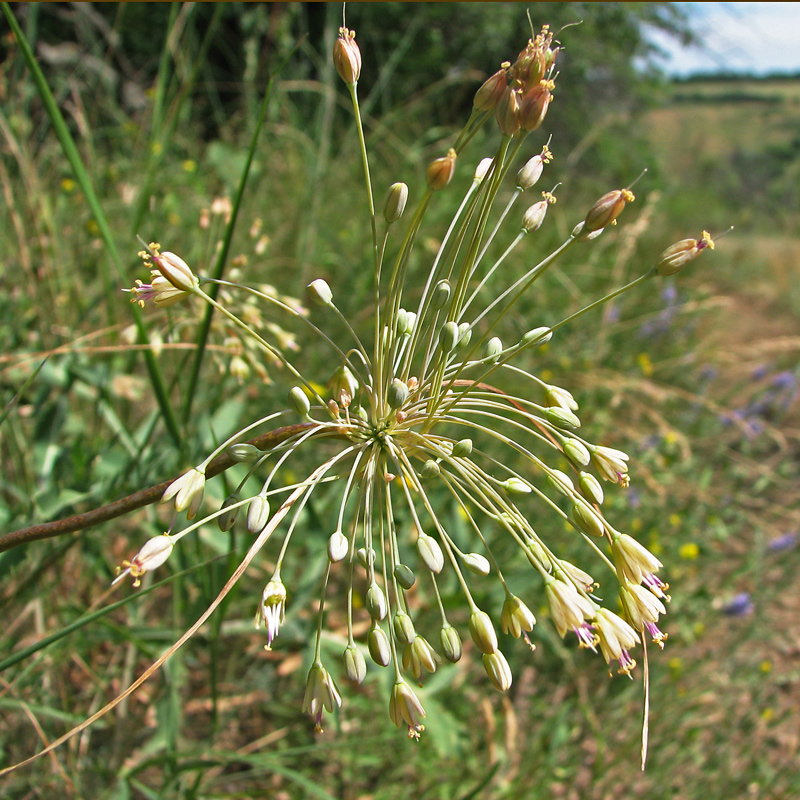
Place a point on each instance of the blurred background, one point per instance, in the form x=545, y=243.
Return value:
x=697, y=378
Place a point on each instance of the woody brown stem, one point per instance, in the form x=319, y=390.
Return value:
x=49, y=530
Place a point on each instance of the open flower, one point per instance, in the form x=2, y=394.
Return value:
x=321, y=694
x=153, y=554
x=272, y=609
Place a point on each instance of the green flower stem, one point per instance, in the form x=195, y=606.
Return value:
x=605, y=299
x=353, y=89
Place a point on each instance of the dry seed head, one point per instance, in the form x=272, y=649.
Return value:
x=533, y=105
x=606, y=210
x=678, y=255
x=440, y=171
x=347, y=57
x=507, y=110
x=491, y=91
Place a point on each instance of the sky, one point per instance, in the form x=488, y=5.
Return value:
x=756, y=38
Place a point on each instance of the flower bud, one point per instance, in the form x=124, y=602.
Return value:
x=606, y=210
x=430, y=552
x=493, y=349
x=498, y=670
x=576, y=452
x=586, y=519
x=397, y=394
x=507, y=110
x=320, y=292
x=477, y=564
x=538, y=337
x=395, y=202
x=176, y=271
x=464, y=334
x=516, y=486
x=430, y=469
x=298, y=401
x=451, y=642
x=347, y=56
x=440, y=171
x=403, y=628
x=343, y=386
x=243, y=452
x=528, y=176
x=492, y=90
x=366, y=557
x=338, y=547
x=376, y=603
x=591, y=488
x=462, y=448
x=448, y=336
x=533, y=218
x=257, y=514
x=355, y=665
x=483, y=632
x=441, y=294
x=562, y=418
x=561, y=482
x=405, y=322
x=482, y=169
x=678, y=255
x=404, y=576
x=227, y=519
x=379, y=648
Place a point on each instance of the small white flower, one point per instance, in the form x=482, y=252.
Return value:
x=153, y=554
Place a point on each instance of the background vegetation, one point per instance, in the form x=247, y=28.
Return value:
x=697, y=382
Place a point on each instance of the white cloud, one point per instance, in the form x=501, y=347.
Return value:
x=738, y=37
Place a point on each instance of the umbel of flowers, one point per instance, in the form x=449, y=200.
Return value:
x=416, y=407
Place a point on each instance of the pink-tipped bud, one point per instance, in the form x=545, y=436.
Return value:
x=440, y=171
x=606, y=210
x=489, y=94
x=347, y=57
x=678, y=255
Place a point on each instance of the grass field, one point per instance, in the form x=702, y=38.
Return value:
x=696, y=378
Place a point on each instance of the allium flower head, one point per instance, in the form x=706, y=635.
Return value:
x=436, y=412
